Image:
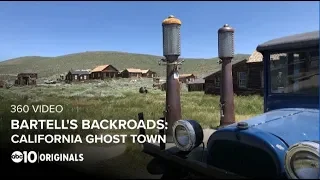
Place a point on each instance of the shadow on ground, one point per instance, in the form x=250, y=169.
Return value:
x=99, y=163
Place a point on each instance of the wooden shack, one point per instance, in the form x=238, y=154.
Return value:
x=186, y=78
x=26, y=78
x=77, y=75
x=148, y=73
x=131, y=73
x=196, y=85
x=104, y=71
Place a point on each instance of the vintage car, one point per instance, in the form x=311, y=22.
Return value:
x=283, y=142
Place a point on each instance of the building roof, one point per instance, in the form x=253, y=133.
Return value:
x=79, y=72
x=100, y=68
x=197, y=81
x=185, y=75
x=134, y=70
x=145, y=71
x=294, y=41
x=255, y=57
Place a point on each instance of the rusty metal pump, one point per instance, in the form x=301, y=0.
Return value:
x=171, y=52
x=226, y=54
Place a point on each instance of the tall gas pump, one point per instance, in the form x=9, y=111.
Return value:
x=226, y=54
x=171, y=52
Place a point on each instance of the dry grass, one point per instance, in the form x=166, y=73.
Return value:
x=120, y=100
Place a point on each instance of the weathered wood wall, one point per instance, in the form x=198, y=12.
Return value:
x=253, y=71
x=196, y=87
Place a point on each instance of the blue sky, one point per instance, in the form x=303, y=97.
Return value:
x=58, y=28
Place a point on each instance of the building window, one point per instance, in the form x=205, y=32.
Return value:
x=75, y=77
x=85, y=77
x=242, y=79
x=81, y=77
x=217, y=82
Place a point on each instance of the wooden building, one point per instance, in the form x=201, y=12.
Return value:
x=77, y=75
x=148, y=73
x=131, y=73
x=247, y=77
x=196, y=85
x=185, y=78
x=255, y=72
x=104, y=71
x=26, y=78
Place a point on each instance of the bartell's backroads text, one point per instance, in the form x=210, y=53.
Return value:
x=84, y=124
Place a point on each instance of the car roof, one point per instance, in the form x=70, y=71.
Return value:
x=302, y=40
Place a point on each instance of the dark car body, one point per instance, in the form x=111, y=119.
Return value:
x=291, y=115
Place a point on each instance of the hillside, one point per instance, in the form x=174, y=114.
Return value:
x=50, y=66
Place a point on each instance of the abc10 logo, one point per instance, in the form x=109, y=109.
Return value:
x=24, y=156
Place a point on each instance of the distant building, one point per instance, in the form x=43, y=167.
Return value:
x=104, y=71
x=186, y=78
x=131, y=73
x=148, y=73
x=78, y=75
x=196, y=85
x=26, y=78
